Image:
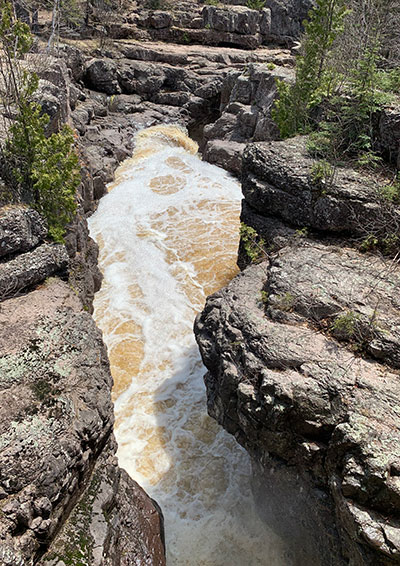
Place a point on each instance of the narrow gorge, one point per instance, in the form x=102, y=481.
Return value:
x=107, y=454
x=156, y=231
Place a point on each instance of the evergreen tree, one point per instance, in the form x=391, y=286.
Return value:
x=44, y=170
x=341, y=73
x=315, y=79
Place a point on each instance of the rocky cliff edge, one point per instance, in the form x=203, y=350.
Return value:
x=64, y=500
x=302, y=352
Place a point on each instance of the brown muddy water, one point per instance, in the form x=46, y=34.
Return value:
x=168, y=236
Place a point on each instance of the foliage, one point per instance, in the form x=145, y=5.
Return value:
x=384, y=233
x=356, y=329
x=319, y=143
x=185, y=38
x=253, y=245
x=255, y=4
x=336, y=96
x=391, y=191
x=70, y=13
x=359, y=100
x=369, y=243
x=322, y=173
x=389, y=81
x=285, y=302
x=345, y=75
x=15, y=35
x=44, y=170
x=390, y=244
x=369, y=160
x=345, y=325
x=301, y=232
x=211, y=2
x=271, y=66
x=315, y=79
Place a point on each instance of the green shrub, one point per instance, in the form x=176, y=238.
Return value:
x=256, y=4
x=301, y=232
x=390, y=244
x=253, y=245
x=319, y=143
x=391, y=192
x=370, y=243
x=345, y=325
x=335, y=97
x=389, y=81
x=185, y=37
x=285, y=302
x=315, y=79
x=369, y=160
x=322, y=173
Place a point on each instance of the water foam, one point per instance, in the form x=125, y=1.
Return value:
x=168, y=238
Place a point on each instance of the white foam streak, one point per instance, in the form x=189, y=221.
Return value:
x=168, y=235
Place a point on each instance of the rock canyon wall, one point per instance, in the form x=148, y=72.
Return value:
x=302, y=354
x=316, y=408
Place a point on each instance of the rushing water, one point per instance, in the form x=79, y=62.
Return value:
x=168, y=235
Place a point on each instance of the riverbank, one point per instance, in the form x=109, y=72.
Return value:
x=288, y=407
x=65, y=498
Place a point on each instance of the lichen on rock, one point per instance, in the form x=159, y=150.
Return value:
x=302, y=355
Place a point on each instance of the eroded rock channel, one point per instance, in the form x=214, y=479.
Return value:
x=64, y=498
x=302, y=349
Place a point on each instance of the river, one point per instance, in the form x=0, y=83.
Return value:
x=168, y=235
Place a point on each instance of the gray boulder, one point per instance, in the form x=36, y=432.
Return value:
x=225, y=154
x=290, y=392
x=287, y=18
x=101, y=75
x=281, y=20
x=141, y=78
x=74, y=59
x=54, y=103
x=232, y=20
x=31, y=268
x=246, y=102
x=159, y=19
x=21, y=229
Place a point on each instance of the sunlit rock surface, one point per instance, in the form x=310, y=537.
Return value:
x=302, y=352
x=56, y=420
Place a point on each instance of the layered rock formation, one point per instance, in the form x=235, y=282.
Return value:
x=57, y=450
x=233, y=24
x=302, y=352
x=245, y=113
x=279, y=378
x=64, y=500
x=223, y=96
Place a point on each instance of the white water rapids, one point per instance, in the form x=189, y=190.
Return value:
x=168, y=236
